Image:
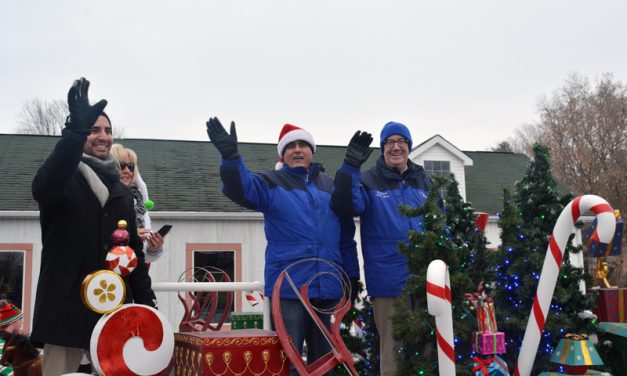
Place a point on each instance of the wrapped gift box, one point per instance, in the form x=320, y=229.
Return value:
x=616, y=333
x=246, y=320
x=576, y=354
x=493, y=366
x=488, y=343
x=588, y=372
x=611, y=305
x=239, y=352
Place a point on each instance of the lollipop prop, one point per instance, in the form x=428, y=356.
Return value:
x=129, y=339
x=439, y=305
x=552, y=263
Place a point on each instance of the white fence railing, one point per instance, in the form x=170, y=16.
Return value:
x=218, y=287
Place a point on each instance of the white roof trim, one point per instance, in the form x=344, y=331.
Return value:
x=439, y=140
x=156, y=214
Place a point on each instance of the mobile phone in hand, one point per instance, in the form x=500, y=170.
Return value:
x=163, y=231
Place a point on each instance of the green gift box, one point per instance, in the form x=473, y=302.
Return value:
x=616, y=333
x=246, y=320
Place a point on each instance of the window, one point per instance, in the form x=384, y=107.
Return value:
x=224, y=261
x=16, y=263
x=11, y=276
x=438, y=168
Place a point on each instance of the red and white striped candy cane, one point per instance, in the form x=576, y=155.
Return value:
x=251, y=299
x=550, y=270
x=439, y=305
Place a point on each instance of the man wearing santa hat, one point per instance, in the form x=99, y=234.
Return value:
x=299, y=224
x=80, y=201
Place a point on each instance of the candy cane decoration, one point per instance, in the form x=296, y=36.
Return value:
x=552, y=263
x=134, y=340
x=439, y=305
x=251, y=299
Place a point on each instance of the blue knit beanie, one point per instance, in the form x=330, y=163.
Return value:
x=393, y=128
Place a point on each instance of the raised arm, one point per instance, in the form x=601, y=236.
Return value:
x=49, y=183
x=348, y=199
x=239, y=184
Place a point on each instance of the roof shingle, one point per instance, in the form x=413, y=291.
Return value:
x=184, y=175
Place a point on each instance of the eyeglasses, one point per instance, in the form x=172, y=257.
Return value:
x=130, y=166
x=390, y=143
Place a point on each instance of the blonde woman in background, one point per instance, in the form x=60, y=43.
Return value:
x=130, y=177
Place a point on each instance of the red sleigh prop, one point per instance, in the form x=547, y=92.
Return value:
x=201, y=306
x=339, y=353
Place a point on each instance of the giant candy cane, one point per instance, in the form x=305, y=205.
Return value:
x=550, y=269
x=439, y=305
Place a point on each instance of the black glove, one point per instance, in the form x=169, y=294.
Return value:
x=354, y=289
x=358, y=149
x=82, y=115
x=226, y=143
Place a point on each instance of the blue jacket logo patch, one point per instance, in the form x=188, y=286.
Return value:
x=383, y=194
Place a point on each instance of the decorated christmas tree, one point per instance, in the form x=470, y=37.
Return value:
x=526, y=223
x=413, y=326
x=359, y=333
x=475, y=260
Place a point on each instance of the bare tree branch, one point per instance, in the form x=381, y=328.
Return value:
x=47, y=118
x=585, y=126
x=42, y=117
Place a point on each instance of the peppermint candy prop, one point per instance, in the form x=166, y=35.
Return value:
x=552, y=263
x=134, y=340
x=103, y=291
x=439, y=305
x=121, y=258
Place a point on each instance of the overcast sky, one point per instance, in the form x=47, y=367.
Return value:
x=471, y=71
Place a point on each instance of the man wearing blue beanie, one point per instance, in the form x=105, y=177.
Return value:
x=375, y=196
x=394, y=128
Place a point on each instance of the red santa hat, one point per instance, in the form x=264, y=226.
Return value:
x=290, y=133
x=9, y=313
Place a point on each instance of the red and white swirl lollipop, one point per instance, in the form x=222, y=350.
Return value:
x=552, y=263
x=439, y=305
x=134, y=340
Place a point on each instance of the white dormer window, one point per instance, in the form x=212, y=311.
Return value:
x=439, y=168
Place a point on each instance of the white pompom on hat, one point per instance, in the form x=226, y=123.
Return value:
x=290, y=133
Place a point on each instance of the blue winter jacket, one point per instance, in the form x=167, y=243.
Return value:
x=376, y=196
x=299, y=224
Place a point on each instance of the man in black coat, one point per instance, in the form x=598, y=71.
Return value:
x=80, y=201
